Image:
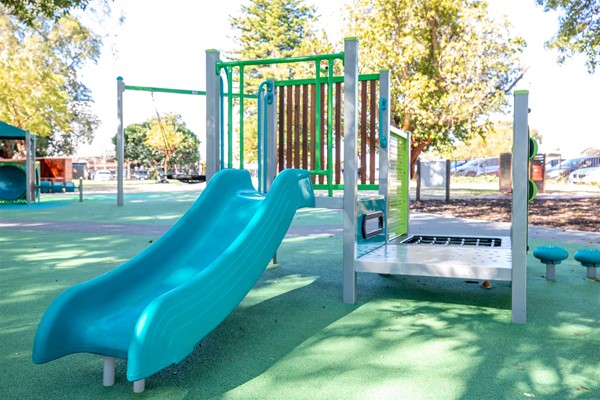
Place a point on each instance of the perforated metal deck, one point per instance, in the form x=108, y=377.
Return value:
x=448, y=261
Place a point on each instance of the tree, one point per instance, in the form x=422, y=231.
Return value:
x=40, y=89
x=162, y=140
x=29, y=11
x=273, y=29
x=497, y=141
x=451, y=65
x=578, y=31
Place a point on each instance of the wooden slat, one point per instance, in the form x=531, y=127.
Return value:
x=281, y=128
x=338, y=132
x=305, y=117
x=288, y=127
x=323, y=130
x=297, y=117
x=372, y=129
x=312, y=127
x=363, y=132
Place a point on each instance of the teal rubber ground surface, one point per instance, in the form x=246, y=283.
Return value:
x=292, y=337
x=156, y=307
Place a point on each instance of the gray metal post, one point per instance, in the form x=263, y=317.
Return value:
x=213, y=114
x=120, y=140
x=384, y=139
x=448, y=177
x=29, y=163
x=384, y=130
x=350, y=166
x=519, y=206
x=270, y=155
x=80, y=189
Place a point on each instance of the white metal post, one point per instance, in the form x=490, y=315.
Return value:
x=350, y=166
x=520, y=177
x=213, y=114
x=270, y=154
x=120, y=140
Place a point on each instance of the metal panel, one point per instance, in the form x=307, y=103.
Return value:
x=482, y=263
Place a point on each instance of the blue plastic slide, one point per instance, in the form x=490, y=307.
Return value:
x=155, y=308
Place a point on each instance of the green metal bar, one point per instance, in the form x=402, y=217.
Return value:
x=230, y=119
x=318, y=116
x=288, y=60
x=165, y=90
x=241, y=117
x=321, y=186
x=330, y=126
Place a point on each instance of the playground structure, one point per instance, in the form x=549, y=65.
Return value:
x=19, y=179
x=376, y=233
x=154, y=317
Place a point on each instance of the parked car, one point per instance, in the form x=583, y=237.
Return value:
x=585, y=175
x=141, y=175
x=564, y=168
x=479, y=166
x=103, y=175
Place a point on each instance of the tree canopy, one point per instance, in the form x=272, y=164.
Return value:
x=29, y=11
x=161, y=140
x=451, y=64
x=41, y=89
x=267, y=29
x=579, y=29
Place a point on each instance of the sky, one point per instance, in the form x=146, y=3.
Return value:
x=163, y=44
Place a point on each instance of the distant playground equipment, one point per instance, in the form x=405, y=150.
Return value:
x=187, y=293
x=121, y=88
x=19, y=179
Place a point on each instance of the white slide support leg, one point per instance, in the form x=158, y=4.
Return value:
x=108, y=376
x=139, y=386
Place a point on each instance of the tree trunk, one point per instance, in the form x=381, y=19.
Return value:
x=415, y=151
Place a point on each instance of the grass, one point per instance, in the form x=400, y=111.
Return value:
x=292, y=337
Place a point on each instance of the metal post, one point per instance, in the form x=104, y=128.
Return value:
x=80, y=189
x=418, y=194
x=213, y=114
x=270, y=155
x=350, y=166
x=120, y=141
x=519, y=206
x=384, y=138
x=28, y=172
x=448, y=165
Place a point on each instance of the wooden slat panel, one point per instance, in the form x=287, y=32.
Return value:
x=281, y=128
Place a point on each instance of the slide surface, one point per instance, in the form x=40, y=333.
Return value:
x=155, y=308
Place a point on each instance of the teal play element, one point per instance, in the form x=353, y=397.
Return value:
x=551, y=256
x=13, y=185
x=589, y=258
x=155, y=308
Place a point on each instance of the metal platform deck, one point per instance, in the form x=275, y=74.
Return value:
x=423, y=258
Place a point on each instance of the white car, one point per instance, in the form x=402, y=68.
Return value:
x=585, y=175
x=103, y=175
